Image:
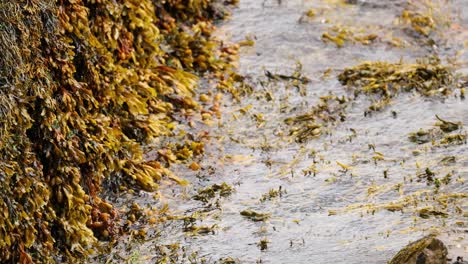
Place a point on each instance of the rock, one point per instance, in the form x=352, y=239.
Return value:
x=427, y=250
x=460, y=261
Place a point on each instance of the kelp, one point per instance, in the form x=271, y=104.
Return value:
x=83, y=84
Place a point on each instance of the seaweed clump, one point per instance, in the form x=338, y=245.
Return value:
x=383, y=80
x=255, y=216
x=424, y=18
x=330, y=110
x=387, y=79
x=209, y=193
x=340, y=35
x=421, y=23
x=440, y=134
x=83, y=84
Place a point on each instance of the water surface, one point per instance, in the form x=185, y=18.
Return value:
x=336, y=215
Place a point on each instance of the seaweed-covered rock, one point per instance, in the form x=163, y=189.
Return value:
x=83, y=84
x=427, y=250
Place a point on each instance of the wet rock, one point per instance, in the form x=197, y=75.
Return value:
x=427, y=250
x=460, y=261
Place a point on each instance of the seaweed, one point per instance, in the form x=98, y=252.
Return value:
x=387, y=79
x=439, y=135
x=340, y=35
x=255, y=216
x=427, y=247
x=208, y=193
x=422, y=23
x=455, y=139
x=297, y=78
x=263, y=244
x=200, y=230
x=329, y=111
x=448, y=126
x=422, y=136
x=381, y=82
x=272, y=193
x=384, y=80
x=84, y=85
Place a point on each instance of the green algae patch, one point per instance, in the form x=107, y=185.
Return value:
x=83, y=86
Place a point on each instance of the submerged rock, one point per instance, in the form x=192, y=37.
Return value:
x=460, y=261
x=427, y=250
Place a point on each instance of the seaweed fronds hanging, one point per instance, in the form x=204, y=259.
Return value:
x=83, y=84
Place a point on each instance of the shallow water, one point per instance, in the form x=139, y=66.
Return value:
x=334, y=215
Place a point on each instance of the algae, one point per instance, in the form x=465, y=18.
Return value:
x=448, y=126
x=427, y=77
x=272, y=194
x=428, y=249
x=255, y=216
x=207, y=194
x=440, y=135
x=341, y=35
x=83, y=86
